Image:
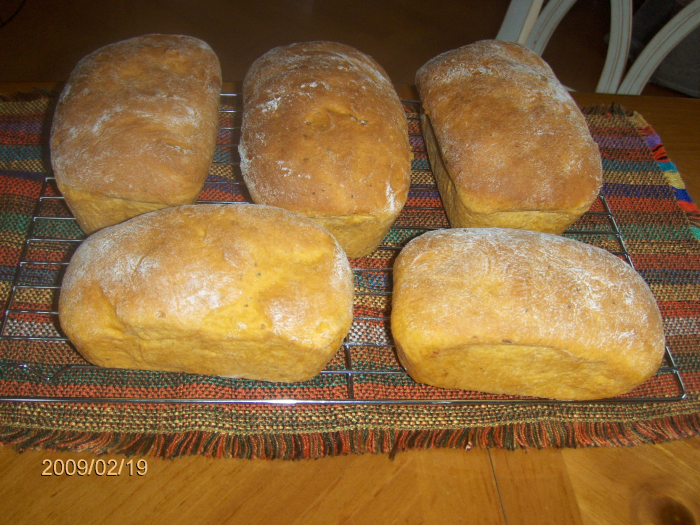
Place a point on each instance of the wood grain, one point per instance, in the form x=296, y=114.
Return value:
x=643, y=485
x=437, y=486
x=535, y=483
x=647, y=485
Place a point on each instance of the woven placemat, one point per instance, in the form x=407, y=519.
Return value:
x=363, y=402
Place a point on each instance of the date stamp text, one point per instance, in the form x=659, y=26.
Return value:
x=94, y=467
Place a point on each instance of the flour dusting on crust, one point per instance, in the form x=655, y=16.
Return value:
x=324, y=135
x=511, y=137
x=136, y=122
x=590, y=319
x=242, y=290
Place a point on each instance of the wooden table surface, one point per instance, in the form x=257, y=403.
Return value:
x=651, y=484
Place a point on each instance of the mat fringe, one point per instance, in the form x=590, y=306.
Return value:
x=389, y=441
x=28, y=96
x=607, y=109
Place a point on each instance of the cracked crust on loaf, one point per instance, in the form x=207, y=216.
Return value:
x=508, y=145
x=231, y=290
x=135, y=128
x=324, y=135
x=525, y=313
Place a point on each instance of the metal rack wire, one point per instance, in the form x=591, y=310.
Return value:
x=54, y=228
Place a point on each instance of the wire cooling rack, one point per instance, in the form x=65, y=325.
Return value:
x=365, y=370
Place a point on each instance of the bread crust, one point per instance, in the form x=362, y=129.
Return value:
x=231, y=290
x=135, y=128
x=324, y=135
x=517, y=312
x=508, y=145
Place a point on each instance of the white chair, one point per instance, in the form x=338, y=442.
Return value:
x=528, y=23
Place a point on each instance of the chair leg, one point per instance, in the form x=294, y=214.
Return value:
x=656, y=50
x=547, y=22
x=618, y=47
x=519, y=20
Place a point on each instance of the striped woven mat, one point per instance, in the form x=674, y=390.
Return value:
x=363, y=401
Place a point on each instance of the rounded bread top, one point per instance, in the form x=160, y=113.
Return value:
x=137, y=119
x=494, y=285
x=510, y=135
x=217, y=269
x=324, y=132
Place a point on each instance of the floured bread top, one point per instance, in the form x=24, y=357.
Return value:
x=494, y=286
x=511, y=137
x=138, y=120
x=225, y=272
x=324, y=133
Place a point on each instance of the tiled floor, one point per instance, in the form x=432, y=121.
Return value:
x=47, y=37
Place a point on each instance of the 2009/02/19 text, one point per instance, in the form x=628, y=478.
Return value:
x=94, y=467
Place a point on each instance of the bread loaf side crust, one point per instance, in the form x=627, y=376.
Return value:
x=516, y=312
x=135, y=128
x=324, y=135
x=231, y=290
x=511, y=143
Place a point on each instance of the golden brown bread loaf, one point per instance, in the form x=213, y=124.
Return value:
x=232, y=290
x=135, y=128
x=507, y=143
x=517, y=312
x=324, y=135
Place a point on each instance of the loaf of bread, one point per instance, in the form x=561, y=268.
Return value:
x=517, y=312
x=324, y=135
x=135, y=128
x=508, y=145
x=230, y=290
